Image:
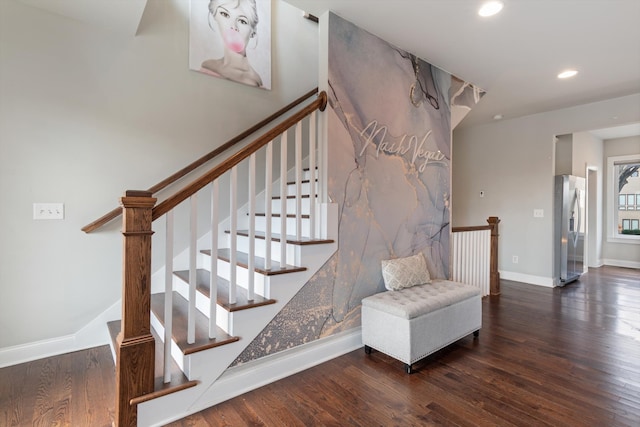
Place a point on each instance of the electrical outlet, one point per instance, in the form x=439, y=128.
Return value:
x=538, y=213
x=514, y=259
x=48, y=211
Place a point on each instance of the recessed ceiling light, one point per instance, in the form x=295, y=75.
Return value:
x=490, y=8
x=567, y=73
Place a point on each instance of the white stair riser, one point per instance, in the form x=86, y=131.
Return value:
x=305, y=188
x=261, y=245
x=176, y=353
x=202, y=304
x=260, y=280
x=261, y=222
x=263, y=285
x=291, y=206
x=306, y=175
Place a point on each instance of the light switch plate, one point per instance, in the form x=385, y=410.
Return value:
x=538, y=213
x=48, y=211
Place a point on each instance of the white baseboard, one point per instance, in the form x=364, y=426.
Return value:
x=599, y=263
x=621, y=263
x=94, y=334
x=252, y=375
x=527, y=278
x=36, y=350
x=260, y=372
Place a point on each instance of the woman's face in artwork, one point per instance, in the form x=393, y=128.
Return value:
x=235, y=26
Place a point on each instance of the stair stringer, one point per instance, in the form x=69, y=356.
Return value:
x=207, y=366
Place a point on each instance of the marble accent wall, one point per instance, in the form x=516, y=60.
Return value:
x=389, y=130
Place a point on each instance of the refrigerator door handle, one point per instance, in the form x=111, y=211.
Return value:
x=577, y=231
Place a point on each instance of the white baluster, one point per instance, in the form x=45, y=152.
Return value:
x=168, y=295
x=298, y=167
x=193, y=250
x=268, y=195
x=213, y=266
x=312, y=176
x=283, y=199
x=252, y=227
x=233, y=246
x=323, y=196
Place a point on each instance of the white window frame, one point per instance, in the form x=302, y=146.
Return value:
x=612, y=201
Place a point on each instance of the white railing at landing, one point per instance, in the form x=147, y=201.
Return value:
x=470, y=254
x=474, y=256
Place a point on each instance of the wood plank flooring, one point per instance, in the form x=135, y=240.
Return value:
x=75, y=389
x=545, y=357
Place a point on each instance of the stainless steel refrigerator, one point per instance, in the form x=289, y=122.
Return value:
x=569, y=228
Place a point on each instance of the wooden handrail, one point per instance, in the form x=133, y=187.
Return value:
x=470, y=228
x=180, y=196
x=111, y=215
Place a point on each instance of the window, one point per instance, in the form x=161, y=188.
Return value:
x=624, y=187
x=622, y=202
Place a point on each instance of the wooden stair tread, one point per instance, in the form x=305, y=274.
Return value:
x=242, y=301
x=259, y=263
x=304, y=181
x=277, y=215
x=292, y=240
x=304, y=196
x=180, y=310
x=178, y=380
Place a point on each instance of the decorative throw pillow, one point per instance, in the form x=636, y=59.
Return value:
x=401, y=273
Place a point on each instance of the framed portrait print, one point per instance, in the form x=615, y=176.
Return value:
x=231, y=39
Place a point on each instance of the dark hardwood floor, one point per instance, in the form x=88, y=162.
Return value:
x=75, y=389
x=559, y=357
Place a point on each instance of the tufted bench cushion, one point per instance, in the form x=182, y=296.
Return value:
x=417, y=300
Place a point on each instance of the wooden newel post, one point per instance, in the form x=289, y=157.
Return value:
x=135, y=350
x=494, y=275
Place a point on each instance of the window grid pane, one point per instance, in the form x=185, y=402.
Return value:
x=625, y=186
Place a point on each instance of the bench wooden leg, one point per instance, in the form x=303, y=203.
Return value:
x=367, y=349
x=408, y=369
x=476, y=334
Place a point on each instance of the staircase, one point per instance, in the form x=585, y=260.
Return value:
x=200, y=364
x=211, y=299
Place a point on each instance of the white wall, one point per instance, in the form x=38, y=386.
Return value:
x=622, y=254
x=512, y=161
x=86, y=114
x=587, y=151
x=564, y=154
x=587, y=162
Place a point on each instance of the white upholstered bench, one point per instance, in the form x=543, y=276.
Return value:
x=411, y=323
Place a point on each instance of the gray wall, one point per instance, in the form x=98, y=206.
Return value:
x=513, y=162
x=86, y=114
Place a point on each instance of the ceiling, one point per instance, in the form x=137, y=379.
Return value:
x=515, y=55
x=121, y=16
